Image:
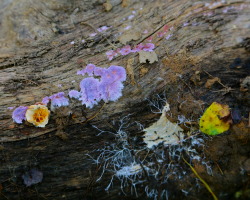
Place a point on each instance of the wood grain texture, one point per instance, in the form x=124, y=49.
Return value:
x=205, y=39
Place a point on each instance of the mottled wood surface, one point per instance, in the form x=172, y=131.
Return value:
x=35, y=59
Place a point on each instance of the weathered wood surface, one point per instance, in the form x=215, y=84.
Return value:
x=36, y=56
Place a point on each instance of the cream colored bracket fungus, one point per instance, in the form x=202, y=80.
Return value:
x=37, y=115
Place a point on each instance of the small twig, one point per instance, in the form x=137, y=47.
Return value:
x=198, y=176
x=188, y=87
x=145, y=172
x=146, y=156
x=217, y=81
x=109, y=42
x=226, y=90
x=1, y=194
x=92, y=117
x=85, y=23
x=219, y=168
x=93, y=178
x=157, y=29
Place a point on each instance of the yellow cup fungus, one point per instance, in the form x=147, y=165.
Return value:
x=215, y=119
x=37, y=115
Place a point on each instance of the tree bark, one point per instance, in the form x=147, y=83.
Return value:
x=43, y=45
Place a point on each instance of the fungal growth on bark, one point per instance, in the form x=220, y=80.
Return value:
x=119, y=99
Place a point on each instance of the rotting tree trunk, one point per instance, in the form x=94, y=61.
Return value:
x=37, y=59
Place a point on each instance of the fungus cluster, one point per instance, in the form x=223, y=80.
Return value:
x=127, y=50
x=101, y=84
x=37, y=115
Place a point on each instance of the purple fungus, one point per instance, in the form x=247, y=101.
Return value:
x=90, y=91
x=125, y=50
x=111, y=91
x=74, y=94
x=92, y=34
x=18, y=114
x=148, y=47
x=32, y=177
x=89, y=69
x=106, y=85
x=81, y=72
x=98, y=71
x=58, y=100
x=169, y=36
x=11, y=108
x=103, y=28
x=111, y=54
x=114, y=73
x=45, y=100
x=111, y=83
x=138, y=47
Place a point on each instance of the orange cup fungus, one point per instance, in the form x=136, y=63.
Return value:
x=37, y=115
x=216, y=119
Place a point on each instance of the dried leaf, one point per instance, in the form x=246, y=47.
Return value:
x=163, y=131
x=130, y=70
x=212, y=81
x=196, y=78
x=143, y=71
x=151, y=56
x=107, y=6
x=129, y=36
x=125, y=3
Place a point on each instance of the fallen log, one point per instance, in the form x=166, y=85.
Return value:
x=201, y=55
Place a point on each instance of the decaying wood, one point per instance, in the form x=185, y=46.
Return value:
x=38, y=59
